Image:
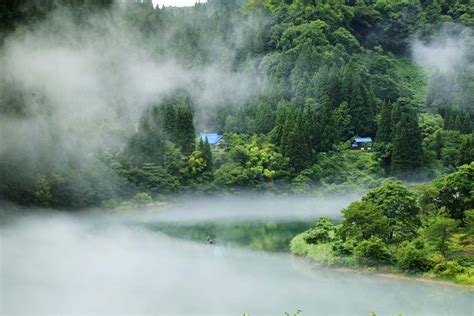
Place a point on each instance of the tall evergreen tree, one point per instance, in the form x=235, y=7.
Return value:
x=148, y=143
x=169, y=120
x=407, y=154
x=295, y=143
x=361, y=101
x=342, y=119
x=466, y=152
x=384, y=123
x=185, y=133
x=205, y=149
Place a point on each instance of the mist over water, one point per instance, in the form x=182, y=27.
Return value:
x=98, y=264
x=252, y=208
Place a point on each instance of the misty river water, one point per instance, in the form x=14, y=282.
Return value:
x=158, y=262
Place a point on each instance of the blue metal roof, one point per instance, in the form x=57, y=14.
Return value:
x=363, y=140
x=212, y=138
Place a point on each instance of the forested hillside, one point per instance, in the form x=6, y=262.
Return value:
x=290, y=84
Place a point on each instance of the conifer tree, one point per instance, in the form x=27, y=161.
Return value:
x=407, y=154
x=361, y=102
x=384, y=124
x=465, y=125
x=466, y=152
x=342, y=119
x=169, y=120
x=185, y=133
x=207, y=154
x=295, y=143
x=148, y=144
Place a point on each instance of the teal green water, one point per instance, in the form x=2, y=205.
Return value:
x=273, y=236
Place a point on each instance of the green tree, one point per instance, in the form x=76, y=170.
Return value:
x=407, y=153
x=456, y=192
x=185, y=133
x=141, y=199
x=439, y=232
x=373, y=251
x=466, y=152
x=148, y=143
x=400, y=207
x=323, y=232
x=361, y=221
x=343, y=119
x=42, y=192
x=413, y=258
x=359, y=98
x=384, y=123
x=205, y=149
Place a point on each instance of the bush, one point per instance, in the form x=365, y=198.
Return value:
x=372, y=252
x=412, y=259
x=448, y=269
x=323, y=232
x=321, y=253
x=141, y=199
x=110, y=203
x=344, y=248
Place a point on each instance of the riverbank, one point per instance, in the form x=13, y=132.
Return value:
x=384, y=273
x=322, y=255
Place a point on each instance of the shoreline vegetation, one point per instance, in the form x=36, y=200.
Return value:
x=384, y=272
x=396, y=230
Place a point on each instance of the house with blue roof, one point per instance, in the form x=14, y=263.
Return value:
x=362, y=143
x=213, y=139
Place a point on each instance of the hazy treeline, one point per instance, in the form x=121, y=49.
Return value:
x=102, y=101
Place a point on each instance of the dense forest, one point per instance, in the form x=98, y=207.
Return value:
x=288, y=83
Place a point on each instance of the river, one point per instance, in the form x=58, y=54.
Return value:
x=158, y=262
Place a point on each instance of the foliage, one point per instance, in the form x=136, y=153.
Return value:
x=323, y=232
x=412, y=259
x=42, y=192
x=141, y=199
x=456, y=192
x=407, y=154
x=408, y=231
x=373, y=251
x=363, y=220
x=399, y=205
x=439, y=232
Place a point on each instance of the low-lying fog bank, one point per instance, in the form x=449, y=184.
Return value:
x=96, y=265
x=251, y=208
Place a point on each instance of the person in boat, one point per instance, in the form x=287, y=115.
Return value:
x=209, y=240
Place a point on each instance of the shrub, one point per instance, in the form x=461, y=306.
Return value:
x=448, y=268
x=344, y=248
x=323, y=232
x=372, y=252
x=412, y=259
x=110, y=203
x=141, y=199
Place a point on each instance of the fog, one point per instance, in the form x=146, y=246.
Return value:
x=94, y=263
x=84, y=86
x=231, y=208
x=443, y=54
x=449, y=52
